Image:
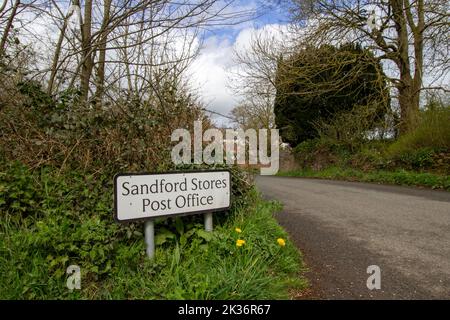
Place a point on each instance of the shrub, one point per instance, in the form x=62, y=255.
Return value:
x=356, y=128
x=17, y=193
x=433, y=132
x=59, y=131
x=417, y=159
x=428, y=146
x=320, y=153
x=368, y=158
x=315, y=84
x=307, y=146
x=67, y=219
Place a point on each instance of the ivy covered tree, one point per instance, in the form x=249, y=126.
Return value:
x=317, y=83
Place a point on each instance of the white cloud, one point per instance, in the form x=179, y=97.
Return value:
x=209, y=74
x=211, y=70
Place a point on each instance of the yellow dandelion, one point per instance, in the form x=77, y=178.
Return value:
x=281, y=242
x=240, y=243
x=238, y=230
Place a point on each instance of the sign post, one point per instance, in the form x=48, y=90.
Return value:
x=208, y=222
x=145, y=196
x=150, y=238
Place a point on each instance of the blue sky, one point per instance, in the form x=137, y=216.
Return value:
x=262, y=15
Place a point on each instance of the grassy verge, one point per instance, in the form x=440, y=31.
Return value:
x=217, y=268
x=399, y=177
x=49, y=221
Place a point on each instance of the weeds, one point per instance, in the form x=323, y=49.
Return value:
x=64, y=219
x=400, y=177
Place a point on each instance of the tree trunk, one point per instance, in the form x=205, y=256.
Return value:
x=408, y=99
x=100, y=82
x=87, y=63
x=8, y=27
x=54, y=67
x=409, y=86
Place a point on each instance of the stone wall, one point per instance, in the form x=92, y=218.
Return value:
x=287, y=160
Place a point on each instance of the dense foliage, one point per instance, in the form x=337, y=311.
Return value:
x=58, y=157
x=316, y=84
x=420, y=157
x=50, y=220
x=130, y=134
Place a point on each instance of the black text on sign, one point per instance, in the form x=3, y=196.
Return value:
x=145, y=196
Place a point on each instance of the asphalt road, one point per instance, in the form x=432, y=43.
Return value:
x=344, y=227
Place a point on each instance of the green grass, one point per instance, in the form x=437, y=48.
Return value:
x=398, y=177
x=49, y=221
x=218, y=269
x=432, y=132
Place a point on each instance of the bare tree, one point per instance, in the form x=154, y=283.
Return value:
x=58, y=47
x=254, y=79
x=87, y=62
x=406, y=33
x=115, y=46
x=255, y=111
x=129, y=30
x=102, y=51
x=9, y=23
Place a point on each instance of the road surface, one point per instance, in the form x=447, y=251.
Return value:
x=344, y=227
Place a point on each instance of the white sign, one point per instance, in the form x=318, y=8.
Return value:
x=145, y=196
